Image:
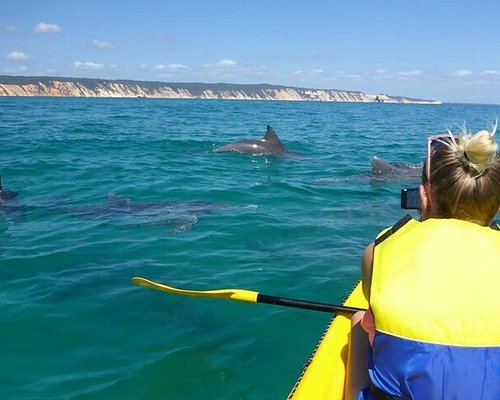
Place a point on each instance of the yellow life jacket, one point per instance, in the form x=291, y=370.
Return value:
x=436, y=303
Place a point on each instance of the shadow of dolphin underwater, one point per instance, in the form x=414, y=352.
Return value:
x=269, y=144
x=10, y=209
x=6, y=194
x=180, y=215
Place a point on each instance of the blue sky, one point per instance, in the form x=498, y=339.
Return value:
x=439, y=49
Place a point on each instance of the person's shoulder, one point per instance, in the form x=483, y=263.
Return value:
x=385, y=233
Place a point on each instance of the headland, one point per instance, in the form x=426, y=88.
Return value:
x=33, y=86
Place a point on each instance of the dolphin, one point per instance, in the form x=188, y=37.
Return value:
x=6, y=194
x=181, y=215
x=381, y=171
x=269, y=144
x=381, y=168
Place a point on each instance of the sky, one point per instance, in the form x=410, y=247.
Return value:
x=429, y=49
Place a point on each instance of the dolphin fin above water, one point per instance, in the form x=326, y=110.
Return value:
x=270, y=143
x=382, y=171
x=381, y=167
x=272, y=138
x=384, y=168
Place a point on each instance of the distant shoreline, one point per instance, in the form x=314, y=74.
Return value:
x=45, y=86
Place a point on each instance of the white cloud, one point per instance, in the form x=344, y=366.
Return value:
x=382, y=75
x=223, y=64
x=170, y=67
x=223, y=68
x=43, y=27
x=226, y=63
x=100, y=44
x=309, y=72
x=355, y=77
x=17, y=56
x=87, y=65
x=409, y=74
x=462, y=73
x=10, y=28
x=177, y=66
x=490, y=72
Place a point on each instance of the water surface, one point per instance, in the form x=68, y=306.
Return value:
x=115, y=188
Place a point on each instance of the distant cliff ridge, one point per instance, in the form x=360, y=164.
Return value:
x=84, y=87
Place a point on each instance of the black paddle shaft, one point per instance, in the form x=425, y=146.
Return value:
x=307, y=305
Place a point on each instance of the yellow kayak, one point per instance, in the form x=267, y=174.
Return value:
x=324, y=375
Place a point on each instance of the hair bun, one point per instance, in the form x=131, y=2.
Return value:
x=477, y=151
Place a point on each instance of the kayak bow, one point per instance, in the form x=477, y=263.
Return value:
x=325, y=373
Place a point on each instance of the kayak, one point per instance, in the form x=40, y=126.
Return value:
x=324, y=375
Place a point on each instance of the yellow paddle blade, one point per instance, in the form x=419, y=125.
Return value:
x=233, y=294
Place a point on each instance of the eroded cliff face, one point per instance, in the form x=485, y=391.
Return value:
x=100, y=88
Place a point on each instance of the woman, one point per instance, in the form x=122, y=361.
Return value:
x=433, y=328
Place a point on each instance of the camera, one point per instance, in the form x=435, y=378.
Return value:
x=410, y=199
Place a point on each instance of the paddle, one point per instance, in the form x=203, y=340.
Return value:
x=249, y=296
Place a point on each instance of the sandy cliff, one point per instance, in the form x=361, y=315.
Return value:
x=74, y=87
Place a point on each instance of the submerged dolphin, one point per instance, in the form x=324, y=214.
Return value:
x=181, y=215
x=6, y=194
x=381, y=171
x=269, y=144
x=381, y=168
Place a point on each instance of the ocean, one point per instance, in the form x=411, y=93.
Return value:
x=110, y=189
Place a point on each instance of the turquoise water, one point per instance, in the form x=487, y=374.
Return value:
x=115, y=188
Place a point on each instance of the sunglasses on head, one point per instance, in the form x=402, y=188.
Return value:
x=432, y=143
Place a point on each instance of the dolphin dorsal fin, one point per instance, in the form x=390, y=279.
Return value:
x=271, y=136
x=381, y=167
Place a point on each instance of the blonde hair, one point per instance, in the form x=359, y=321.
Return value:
x=465, y=177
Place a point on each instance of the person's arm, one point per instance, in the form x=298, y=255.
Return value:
x=366, y=270
x=357, y=361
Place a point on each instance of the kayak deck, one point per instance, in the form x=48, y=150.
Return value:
x=324, y=375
